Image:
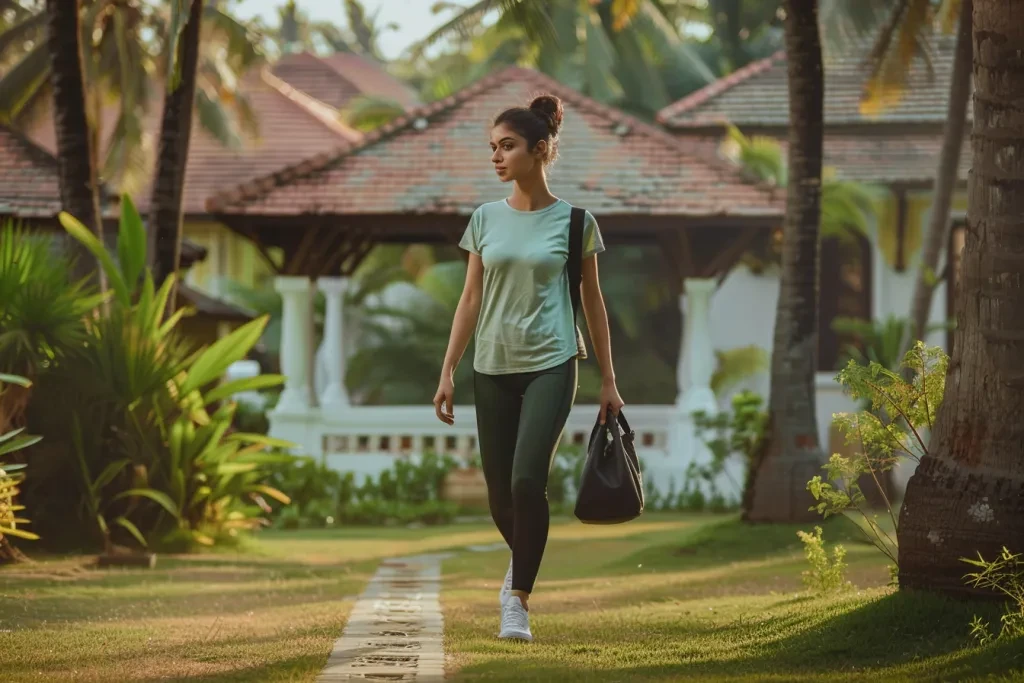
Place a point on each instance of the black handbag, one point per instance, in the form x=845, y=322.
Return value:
x=611, y=489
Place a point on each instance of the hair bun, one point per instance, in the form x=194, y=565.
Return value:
x=549, y=108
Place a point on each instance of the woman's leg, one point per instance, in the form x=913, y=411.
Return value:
x=547, y=400
x=498, y=403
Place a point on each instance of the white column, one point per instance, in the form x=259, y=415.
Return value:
x=333, y=349
x=296, y=296
x=697, y=354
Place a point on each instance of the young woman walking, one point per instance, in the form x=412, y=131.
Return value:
x=517, y=300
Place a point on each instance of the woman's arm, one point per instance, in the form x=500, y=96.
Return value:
x=463, y=326
x=600, y=337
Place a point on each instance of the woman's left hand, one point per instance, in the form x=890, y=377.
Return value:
x=610, y=400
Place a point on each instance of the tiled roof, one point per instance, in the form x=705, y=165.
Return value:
x=870, y=157
x=338, y=78
x=291, y=126
x=29, y=180
x=436, y=160
x=757, y=95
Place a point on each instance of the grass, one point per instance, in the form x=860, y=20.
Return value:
x=665, y=598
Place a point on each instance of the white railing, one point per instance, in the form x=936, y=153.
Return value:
x=368, y=439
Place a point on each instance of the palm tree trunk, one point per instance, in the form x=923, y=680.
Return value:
x=967, y=495
x=790, y=454
x=78, y=183
x=175, y=134
x=945, y=183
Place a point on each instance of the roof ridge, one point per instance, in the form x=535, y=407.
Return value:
x=257, y=187
x=30, y=145
x=322, y=112
x=717, y=87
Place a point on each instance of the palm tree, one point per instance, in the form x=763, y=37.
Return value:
x=625, y=53
x=965, y=497
x=790, y=453
x=124, y=47
x=75, y=154
x=175, y=133
x=901, y=33
x=937, y=235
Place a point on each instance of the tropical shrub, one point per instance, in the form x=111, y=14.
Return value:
x=11, y=475
x=1004, y=576
x=889, y=430
x=730, y=435
x=410, y=491
x=825, y=575
x=139, y=434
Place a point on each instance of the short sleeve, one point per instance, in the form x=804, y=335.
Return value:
x=471, y=238
x=592, y=241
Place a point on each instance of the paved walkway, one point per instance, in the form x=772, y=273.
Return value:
x=396, y=628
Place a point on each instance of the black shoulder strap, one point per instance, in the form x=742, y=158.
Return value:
x=575, y=264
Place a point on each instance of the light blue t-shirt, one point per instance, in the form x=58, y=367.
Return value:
x=525, y=321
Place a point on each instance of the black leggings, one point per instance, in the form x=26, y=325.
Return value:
x=520, y=418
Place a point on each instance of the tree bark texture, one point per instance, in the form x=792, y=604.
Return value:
x=967, y=495
x=175, y=134
x=79, y=191
x=937, y=237
x=791, y=454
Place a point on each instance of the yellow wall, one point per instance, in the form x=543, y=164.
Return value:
x=229, y=257
x=918, y=212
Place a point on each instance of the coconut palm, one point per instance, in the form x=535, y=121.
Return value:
x=125, y=50
x=624, y=53
x=790, y=453
x=965, y=497
x=901, y=32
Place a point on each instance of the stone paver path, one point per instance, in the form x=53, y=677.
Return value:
x=396, y=628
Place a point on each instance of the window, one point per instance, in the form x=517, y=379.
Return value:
x=845, y=291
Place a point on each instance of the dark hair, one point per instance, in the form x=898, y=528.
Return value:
x=540, y=121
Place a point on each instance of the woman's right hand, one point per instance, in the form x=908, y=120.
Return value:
x=443, y=400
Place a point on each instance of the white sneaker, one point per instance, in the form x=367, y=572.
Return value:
x=515, y=621
x=506, y=588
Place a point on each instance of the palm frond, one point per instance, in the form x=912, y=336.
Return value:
x=19, y=85
x=367, y=112
x=671, y=48
x=27, y=29
x=530, y=14
x=214, y=119
x=900, y=42
x=241, y=42
x=599, y=69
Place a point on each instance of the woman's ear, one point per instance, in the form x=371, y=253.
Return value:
x=540, y=150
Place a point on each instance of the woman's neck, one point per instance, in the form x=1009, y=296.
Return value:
x=531, y=194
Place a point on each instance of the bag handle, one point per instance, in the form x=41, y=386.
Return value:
x=602, y=429
x=575, y=263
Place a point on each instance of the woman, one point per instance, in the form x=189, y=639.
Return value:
x=516, y=298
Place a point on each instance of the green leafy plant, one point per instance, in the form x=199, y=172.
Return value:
x=887, y=431
x=151, y=427
x=12, y=474
x=825, y=575
x=728, y=435
x=1003, y=575
x=876, y=341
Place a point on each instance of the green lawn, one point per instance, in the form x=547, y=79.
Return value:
x=668, y=598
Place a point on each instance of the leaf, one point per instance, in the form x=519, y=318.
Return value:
x=75, y=228
x=18, y=533
x=237, y=467
x=108, y=474
x=131, y=242
x=15, y=379
x=158, y=497
x=132, y=529
x=273, y=493
x=19, y=443
x=21, y=82
x=215, y=360
x=240, y=385
x=269, y=441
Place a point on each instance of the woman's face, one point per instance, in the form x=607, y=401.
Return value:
x=510, y=156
